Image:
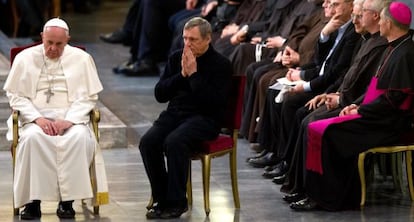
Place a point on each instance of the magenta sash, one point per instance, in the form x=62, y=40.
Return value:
x=317, y=129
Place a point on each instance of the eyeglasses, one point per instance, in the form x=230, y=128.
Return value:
x=356, y=16
x=369, y=10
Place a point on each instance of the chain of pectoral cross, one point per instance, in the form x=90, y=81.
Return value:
x=49, y=93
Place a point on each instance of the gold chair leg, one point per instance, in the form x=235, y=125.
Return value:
x=189, y=186
x=408, y=160
x=96, y=210
x=383, y=165
x=206, y=164
x=234, y=184
x=150, y=203
x=361, y=170
x=399, y=170
x=16, y=211
x=396, y=166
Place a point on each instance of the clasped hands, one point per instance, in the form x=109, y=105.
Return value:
x=330, y=100
x=294, y=75
x=290, y=57
x=230, y=29
x=53, y=127
x=348, y=110
x=188, y=62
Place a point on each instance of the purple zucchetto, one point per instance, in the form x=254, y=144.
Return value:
x=400, y=12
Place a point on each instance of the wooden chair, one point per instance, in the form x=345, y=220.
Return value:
x=224, y=144
x=95, y=117
x=405, y=147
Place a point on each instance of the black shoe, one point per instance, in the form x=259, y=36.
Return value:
x=140, y=68
x=279, y=170
x=123, y=66
x=65, y=210
x=304, y=205
x=175, y=212
x=154, y=212
x=261, y=154
x=31, y=211
x=266, y=160
x=270, y=168
x=279, y=179
x=294, y=197
x=116, y=38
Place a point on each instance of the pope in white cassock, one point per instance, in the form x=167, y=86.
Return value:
x=54, y=86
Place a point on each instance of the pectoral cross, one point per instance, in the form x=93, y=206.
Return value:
x=48, y=94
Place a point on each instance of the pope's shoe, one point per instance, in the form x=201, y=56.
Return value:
x=65, y=210
x=31, y=211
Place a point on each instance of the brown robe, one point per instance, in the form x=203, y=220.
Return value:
x=303, y=40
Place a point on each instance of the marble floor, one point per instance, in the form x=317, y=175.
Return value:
x=261, y=200
x=131, y=99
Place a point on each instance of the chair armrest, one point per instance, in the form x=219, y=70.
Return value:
x=95, y=117
x=15, y=119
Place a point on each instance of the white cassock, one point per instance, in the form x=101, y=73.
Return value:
x=55, y=167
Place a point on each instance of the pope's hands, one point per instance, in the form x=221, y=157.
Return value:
x=62, y=125
x=53, y=127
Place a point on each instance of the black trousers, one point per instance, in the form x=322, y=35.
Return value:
x=174, y=135
x=155, y=37
x=297, y=147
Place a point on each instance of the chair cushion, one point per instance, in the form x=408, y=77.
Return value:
x=222, y=142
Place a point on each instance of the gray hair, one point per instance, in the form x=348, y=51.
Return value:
x=378, y=5
x=359, y=2
x=203, y=25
